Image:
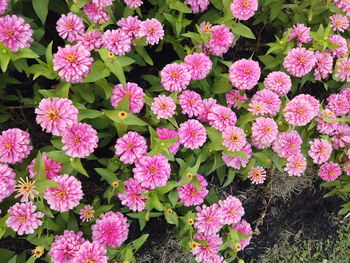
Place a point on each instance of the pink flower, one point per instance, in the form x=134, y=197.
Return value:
x=152, y=171
x=343, y=71
x=221, y=117
x=244, y=228
x=257, y=107
x=299, y=61
x=346, y=93
x=197, y=6
x=91, y=41
x=55, y=115
x=66, y=246
x=7, y=182
x=233, y=96
x=73, y=62
x=133, y=3
x=14, y=146
x=153, y=30
x=135, y=93
x=199, y=65
x=238, y=162
x=175, y=77
x=339, y=22
x=117, y=41
x=244, y=74
x=204, y=253
x=324, y=126
x=299, y=112
x=70, y=26
x=257, y=175
x=320, y=150
x=347, y=169
x=164, y=134
x=15, y=33
x=191, y=103
x=130, y=25
x=329, y=171
x=207, y=105
x=163, y=106
x=341, y=136
x=132, y=196
x=111, y=229
x=341, y=42
x=270, y=99
x=52, y=168
x=3, y=6
x=324, y=65
x=344, y=5
x=338, y=104
x=189, y=195
x=209, y=219
x=301, y=34
x=103, y=3
x=278, y=82
x=264, y=130
x=87, y=213
x=234, y=138
x=220, y=41
x=95, y=13
x=23, y=219
x=65, y=197
x=287, y=144
x=192, y=134
x=91, y=252
x=244, y=9
x=232, y=209
x=296, y=165
x=131, y=147
x=80, y=140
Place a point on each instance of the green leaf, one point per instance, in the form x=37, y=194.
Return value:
x=242, y=30
x=77, y=165
x=221, y=86
x=24, y=53
x=179, y=6
x=48, y=54
x=173, y=197
x=89, y=114
x=41, y=9
x=98, y=71
x=171, y=219
x=39, y=166
x=136, y=244
x=130, y=119
x=143, y=53
x=155, y=201
x=107, y=175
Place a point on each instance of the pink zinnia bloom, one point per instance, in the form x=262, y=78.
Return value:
x=346, y=93
x=91, y=41
x=163, y=106
x=133, y=3
x=244, y=74
x=175, y=77
x=204, y=253
x=14, y=146
x=135, y=93
x=232, y=209
x=338, y=104
x=7, y=182
x=341, y=136
x=299, y=112
x=132, y=196
x=152, y=171
x=296, y=165
x=87, y=213
x=65, y=247
x=343, y=71
x=233, y=96
x=15, y=33
x=287, y=144
x=324, y=65
x=91, y=252
x=221, y=117
x=311, y=100
x=199, y=65
x=191, y=103
x=341, y=42
x=344, y=5
x=131, y=147
x=192, y=134
x=80, y=140
x=23, y=219
x=257, y=107
x=238, y=162
x=339, y=22
x=70, y=26
x=52, y=168
x=221, y=40
x=209, y=219
x=278, y=82
x=257, y=175
x=55, y=115
x=65, y=197
x=270, y=99
x=164, y=134
x=73, y=62
x=244, y=9
x=117, y=41
x=244, y=228
x=264, y=130
x=320, y=150
x=301, y=34
x=324, y=126
x=197, y=6
x=347, y=169
x=189, y=195
x=329, y=171
x=130, y=25
x=234, y=138
x=95, y=13
x=299, y=61
x=3, y=6
x=153, y=30
x=207, y=105
x=111, y=229
x=103, y=3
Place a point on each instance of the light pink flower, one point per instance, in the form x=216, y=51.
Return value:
x=132, y=196
x=111, y=229
x=244, y=9
x=270, y=100
x=257, y=107
x=232, y=209
x=91, y=252
x=131, y=147
x=91, y=41
x=233, y=96
x=3, y=6
x=221, y=40
x=87, y=213
x=339, y=22
x=341, y=136
x=133, y=3
x=338, y=104
x=324, y=65
x=287, y=144
x=221, y=117
x=52, y=168
x=163, y=106
x=343, y=71
x=130, y=25
x=135, y=93
x=175, y=77
x=103, y=3
x=320, y=150
x=264, y=130
x=238, y=162
x=346, y=93
x=299, y=112
x=278, y=82
x=207, y=106
x=152, y=171
x=23, y=219
x=296, y=165
x=189, y=195
x=299, y=61
x=199, y=65
x=347, y=169
x=326, y=127
x=204, y=253
x=197, y=6
x=117, y=41
x=153, y=30
x=80, y=140
x=70, y=26
x=14, y=146
x=7, y=182
x=192, y=134
x=95, y=13
x=55, y=115
x=73, y=63
x=329, y=171
x=341, y=42
x=244, y=74
x=191, y=103
x=209, y=219
x=234, y=138
x=244, y=228
x=65, y=197
x=301, y=34
x=344, y=5
x=164, y=134
x=257, y=175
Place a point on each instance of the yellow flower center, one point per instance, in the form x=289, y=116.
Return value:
x=175, y=75
x=71, y=58
x=62, y=194
x=69, y=25
x=10, y=33
x=52, y=114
